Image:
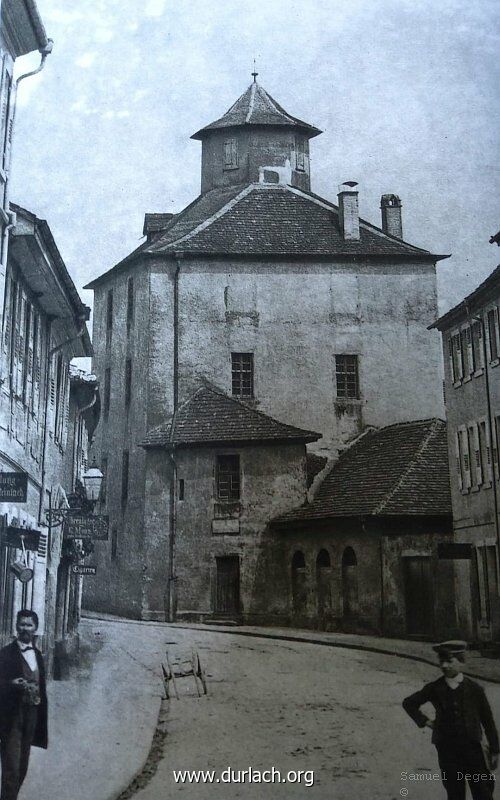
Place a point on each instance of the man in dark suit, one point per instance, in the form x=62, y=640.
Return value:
x=23, y=704
x=462, y=714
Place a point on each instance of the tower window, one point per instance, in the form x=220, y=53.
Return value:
x=346, y=368
x=230, y=154
x=242, y=374
x=300, y=155
x=107, y=392
x=109, y=310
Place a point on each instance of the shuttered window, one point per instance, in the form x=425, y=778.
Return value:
x=493, y=333
x=230, y=154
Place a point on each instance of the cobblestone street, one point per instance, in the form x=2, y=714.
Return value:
x=288, y=705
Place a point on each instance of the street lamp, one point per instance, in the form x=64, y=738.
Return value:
x=92, y=480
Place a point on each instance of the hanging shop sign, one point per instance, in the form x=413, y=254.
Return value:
x=91, y=526
x=22, y=572
x=83, y=569
x=13, y=487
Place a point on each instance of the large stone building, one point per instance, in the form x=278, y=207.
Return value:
x=471, y=345
x=281, y=299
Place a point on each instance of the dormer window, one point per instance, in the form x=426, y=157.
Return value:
x=231, y=154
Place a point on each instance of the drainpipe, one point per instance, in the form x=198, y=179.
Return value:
x=172, y=578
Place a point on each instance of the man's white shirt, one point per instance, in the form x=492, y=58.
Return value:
x=28, y=654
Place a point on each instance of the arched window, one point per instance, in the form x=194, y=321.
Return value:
x=323, y=584
x=349, y=582
x=299, y=587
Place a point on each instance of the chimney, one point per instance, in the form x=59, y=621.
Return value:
x=391, y=215
x=349, y=211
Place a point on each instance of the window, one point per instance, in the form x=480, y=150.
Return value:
x=467, y=351
x=181, y=489
x=346, y=369
x=242, y=374
x=456, y=356
x=107, y=392
x=125, y=471
x=128, y=382
x=109, y=312
x=493, y=333
x=477, y=345
x=130, y=304
x=228, y=477
x=230, y=154
x=300, y=154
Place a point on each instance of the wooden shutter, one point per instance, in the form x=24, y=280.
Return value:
x=28, y=383
x=459, y=357
x=458, y=460
x=478, y=466
x=470, y=350
x=65, y=407
x=451, y=359
x=465, y=450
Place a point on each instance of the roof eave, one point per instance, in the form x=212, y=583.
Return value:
x=311, y=130
x=189, y=445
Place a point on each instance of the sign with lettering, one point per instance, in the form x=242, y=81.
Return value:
x=13, y=487
x=86, y=526
x=83, y=569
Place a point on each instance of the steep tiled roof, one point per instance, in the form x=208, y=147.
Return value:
x=211, y=417
x=256, y=107
x=398, y=470
x=272, y=219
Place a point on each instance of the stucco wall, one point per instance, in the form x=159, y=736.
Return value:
x=295, y=318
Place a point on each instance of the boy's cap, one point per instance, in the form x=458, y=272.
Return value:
x=452, y=648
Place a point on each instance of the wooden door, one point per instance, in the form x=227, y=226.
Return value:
x=419, y=596
x=227, y=600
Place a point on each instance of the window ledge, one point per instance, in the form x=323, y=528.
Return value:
x=348, y=401
x=475, y=489
x=464, y=491
x=228, y=169
x=479, y=371
x=467, y=379
x=456, y=384
x=495, y=362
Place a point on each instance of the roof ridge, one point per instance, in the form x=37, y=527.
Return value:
x=419, y=451
x=244, y=405
x=213, y=218
x=252, y=102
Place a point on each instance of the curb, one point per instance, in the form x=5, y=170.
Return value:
x=303, y=639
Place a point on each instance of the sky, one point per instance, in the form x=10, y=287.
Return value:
x=406, y=93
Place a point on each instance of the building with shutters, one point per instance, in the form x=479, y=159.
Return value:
x=285, y=302
x=40, y=417
x=471, y=347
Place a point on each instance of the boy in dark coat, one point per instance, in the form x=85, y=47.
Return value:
x=462, y=714
x=23, y=704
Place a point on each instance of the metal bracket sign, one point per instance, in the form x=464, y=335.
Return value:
x=455, y=550
x=13, y=487
x=83, y=569
x=91, y=526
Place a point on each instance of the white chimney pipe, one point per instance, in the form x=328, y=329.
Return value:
x=349, y=210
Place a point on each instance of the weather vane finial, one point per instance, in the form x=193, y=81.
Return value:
x=254, y=73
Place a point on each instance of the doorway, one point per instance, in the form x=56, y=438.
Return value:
x=227, y=593
x=419, y=596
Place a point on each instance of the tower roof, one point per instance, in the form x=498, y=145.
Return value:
x=256, y=107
